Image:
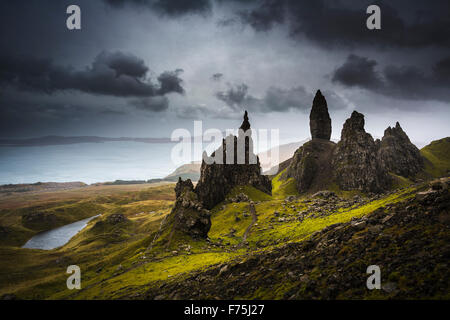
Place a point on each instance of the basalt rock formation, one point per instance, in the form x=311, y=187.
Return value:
x=355, y=164
x=233, y=164
x=319, y=119
x=227, y=168
x=398, y=155
x=188, y=215
x=311, y=163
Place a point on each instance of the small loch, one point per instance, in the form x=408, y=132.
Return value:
x=57, y=237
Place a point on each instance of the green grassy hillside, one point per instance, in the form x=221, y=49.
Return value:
x=437, y=157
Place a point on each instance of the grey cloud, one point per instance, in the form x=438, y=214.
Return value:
x=275, y=99
x=170, y=82
x=122, y=64
x=115, y=74
x=234, y=96
x=405, y=82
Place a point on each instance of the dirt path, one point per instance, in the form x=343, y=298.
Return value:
x=254, y=219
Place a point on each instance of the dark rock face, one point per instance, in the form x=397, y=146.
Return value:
x=311, y=165
x=397, y=154
x=188, y=215
x=319, y=119
x=218, y=177
x=355, y=164
x=181, y=185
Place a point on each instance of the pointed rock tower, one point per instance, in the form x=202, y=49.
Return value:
x=237, y=166
x=319, y=119
x=311, y=163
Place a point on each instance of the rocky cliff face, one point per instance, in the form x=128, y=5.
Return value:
x=319, y=119
x=188, y=215
x=397, y=154
x=355, y=164
x=217, y=178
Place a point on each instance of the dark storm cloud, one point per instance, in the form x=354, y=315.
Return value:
x=115, y=74
x=358, y=71
x=122, y=64
x=172, y=8
x=405, y=82
x=329, y=23
x=170, y=82
x=275, y=99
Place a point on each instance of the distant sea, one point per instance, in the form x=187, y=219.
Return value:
x=86, y=162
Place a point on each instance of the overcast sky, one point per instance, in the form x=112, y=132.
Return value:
x=143, y=68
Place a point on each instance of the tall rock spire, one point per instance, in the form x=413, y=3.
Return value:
x=319, y=119
x=245, y=124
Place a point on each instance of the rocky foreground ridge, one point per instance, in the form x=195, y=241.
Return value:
x=408, y=240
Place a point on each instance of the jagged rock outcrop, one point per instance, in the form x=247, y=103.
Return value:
x=181, y=185
x=188, y=215
x=397, y=154
x=355, y=164
x=236, y=166
x=319, y=119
